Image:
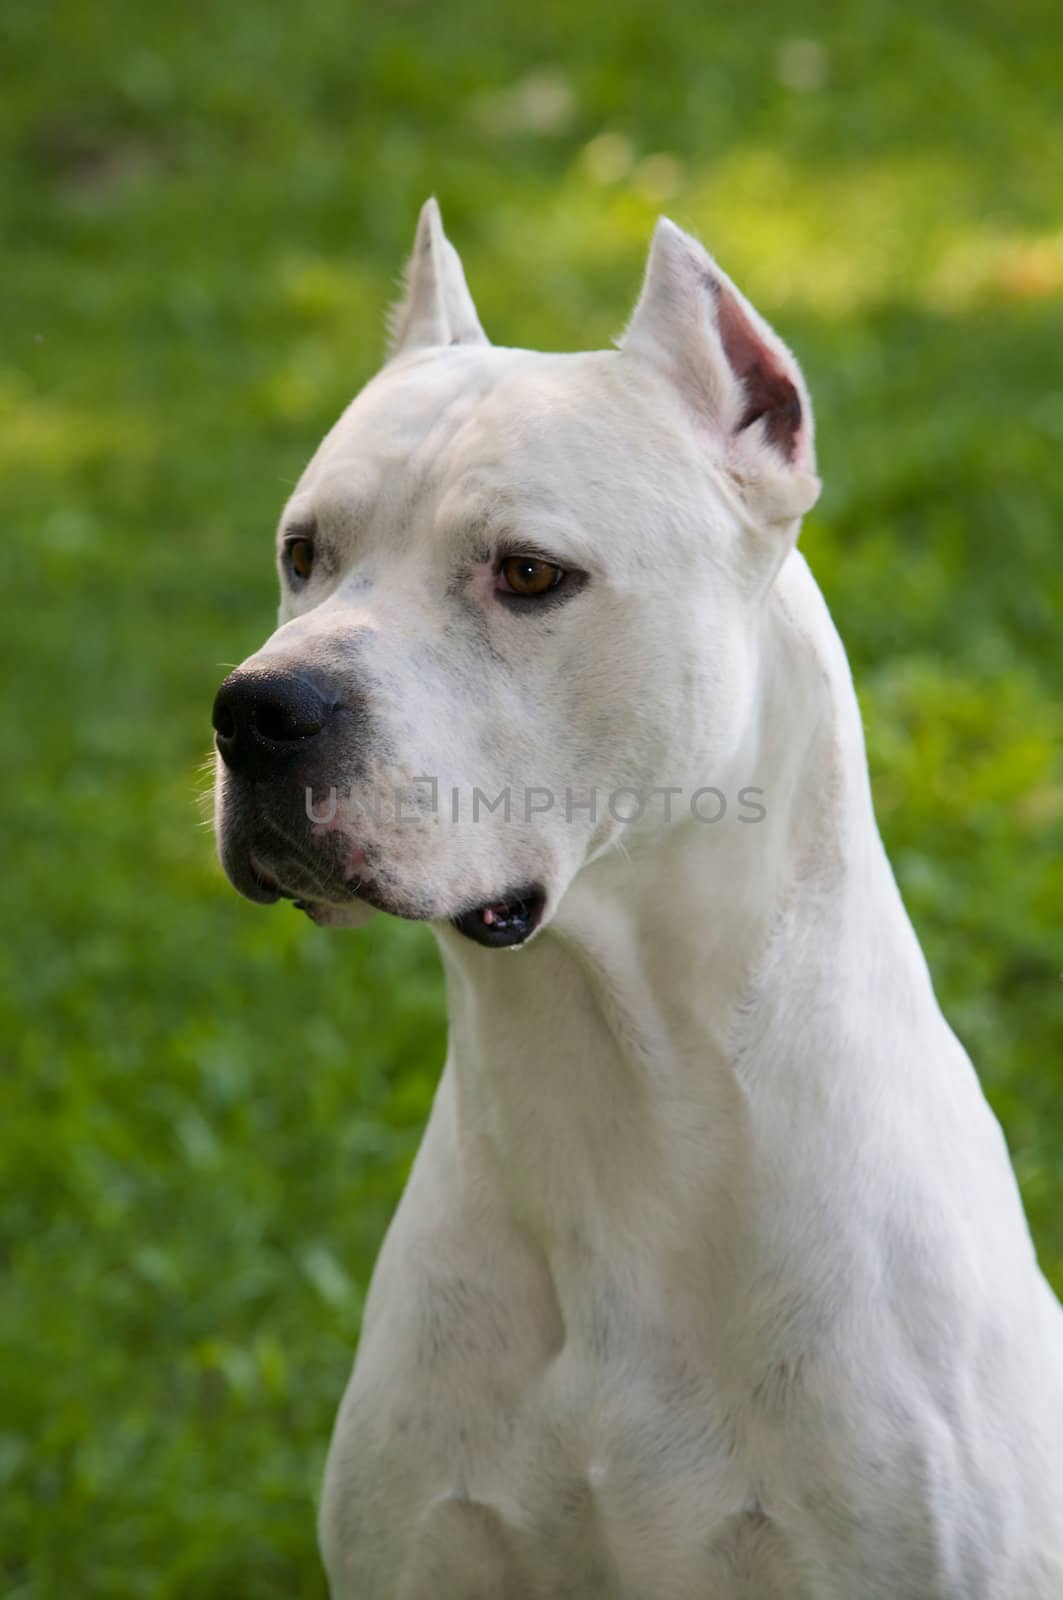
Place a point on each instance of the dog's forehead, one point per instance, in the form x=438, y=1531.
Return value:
x=468, y=425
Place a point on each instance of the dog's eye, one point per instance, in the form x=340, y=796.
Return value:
x=528, y=576
x=299, y=554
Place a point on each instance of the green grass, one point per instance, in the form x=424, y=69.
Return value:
x=207, y=1109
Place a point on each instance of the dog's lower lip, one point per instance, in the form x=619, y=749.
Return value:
x=505, y=922
x=265, y=881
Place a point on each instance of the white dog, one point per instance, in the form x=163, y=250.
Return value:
x=711, y=1279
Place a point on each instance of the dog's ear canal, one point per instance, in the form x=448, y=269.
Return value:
x=733, y=370
x=437, y=308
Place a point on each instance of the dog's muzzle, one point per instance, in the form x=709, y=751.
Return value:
x=278, y=731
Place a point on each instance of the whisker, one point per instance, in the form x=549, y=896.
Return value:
x=297, y=849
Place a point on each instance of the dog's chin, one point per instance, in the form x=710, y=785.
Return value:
x=326, y=914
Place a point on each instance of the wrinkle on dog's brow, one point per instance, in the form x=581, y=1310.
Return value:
x=340, y=496
x=476, y=530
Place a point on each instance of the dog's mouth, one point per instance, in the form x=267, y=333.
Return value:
x=496, y=924
x=502, y=923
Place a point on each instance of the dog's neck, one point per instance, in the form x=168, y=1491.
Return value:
x=630, y=1069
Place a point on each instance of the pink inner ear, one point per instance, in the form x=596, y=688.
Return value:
x=771, y=393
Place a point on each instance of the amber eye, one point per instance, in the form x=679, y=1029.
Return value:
x=527, y=575
x=300, y=553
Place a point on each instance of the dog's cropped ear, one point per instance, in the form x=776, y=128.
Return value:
x=437, y=307
x=736, y=375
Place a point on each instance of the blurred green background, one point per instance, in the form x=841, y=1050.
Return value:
x=207, y=1109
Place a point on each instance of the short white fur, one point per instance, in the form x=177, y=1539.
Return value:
x=711, y=1277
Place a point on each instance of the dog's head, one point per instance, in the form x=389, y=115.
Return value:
x=515, y=587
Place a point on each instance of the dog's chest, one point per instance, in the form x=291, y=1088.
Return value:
x=587, y=1471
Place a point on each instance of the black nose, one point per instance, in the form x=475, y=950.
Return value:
x=264, y=717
